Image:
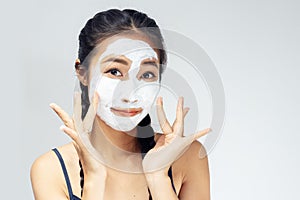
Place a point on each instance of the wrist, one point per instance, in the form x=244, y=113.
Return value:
x=157, y=177
x=95, y=175
x=94, y=185
x=94, y=171
x=160, y=186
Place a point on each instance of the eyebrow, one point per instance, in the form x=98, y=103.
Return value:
x=124, y=62
x=118, y=60
x=150, y=63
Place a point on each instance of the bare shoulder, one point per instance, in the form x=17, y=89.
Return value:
x=49, y=160
x=195, y=150
x=46, y=173
x=192, y=162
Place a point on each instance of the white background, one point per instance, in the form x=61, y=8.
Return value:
x=254, y=45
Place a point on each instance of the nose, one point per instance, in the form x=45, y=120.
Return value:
x=125, y=100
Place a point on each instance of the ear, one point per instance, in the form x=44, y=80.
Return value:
x=81, y=73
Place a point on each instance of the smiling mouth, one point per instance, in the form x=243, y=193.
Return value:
x=128, y=112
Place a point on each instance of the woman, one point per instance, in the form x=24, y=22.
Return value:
x=169, y=163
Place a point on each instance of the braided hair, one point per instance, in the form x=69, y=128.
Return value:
x=109, y=23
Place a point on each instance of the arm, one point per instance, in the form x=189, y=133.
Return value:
x=160, y=186
x=196, y=182
x=93, y=186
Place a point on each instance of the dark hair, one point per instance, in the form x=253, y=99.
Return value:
x=109, y=23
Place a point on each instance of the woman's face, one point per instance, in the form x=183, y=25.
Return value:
x=125, y=74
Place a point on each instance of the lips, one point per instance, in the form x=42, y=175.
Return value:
x=128, y=112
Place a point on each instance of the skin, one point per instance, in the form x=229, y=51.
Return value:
x=190, y=173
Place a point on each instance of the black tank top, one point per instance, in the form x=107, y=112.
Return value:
x=68, y=183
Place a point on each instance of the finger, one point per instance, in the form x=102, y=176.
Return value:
x=96, y=99
x=185, y=111
x=179, y=110
x=164, y=123
x=178, y=123
x=64, y=116
x=180, y=132
x=77, y=111
x=76, y=146
x=201, y=133
x=90, y=115
x=71, y=133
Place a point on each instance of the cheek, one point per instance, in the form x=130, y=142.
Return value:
x=106, y=88
x=148, y=93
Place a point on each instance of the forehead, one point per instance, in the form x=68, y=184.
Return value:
x=132, y=49
x=125, y=44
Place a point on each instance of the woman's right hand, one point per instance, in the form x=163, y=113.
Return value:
x=75, y=126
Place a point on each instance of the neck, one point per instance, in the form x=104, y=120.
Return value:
x=109, y=138
x=119, y=150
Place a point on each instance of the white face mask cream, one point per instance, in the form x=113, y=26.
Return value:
x=125, y=102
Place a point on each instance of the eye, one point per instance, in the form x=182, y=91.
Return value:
x=114, y=72
x=148, y=75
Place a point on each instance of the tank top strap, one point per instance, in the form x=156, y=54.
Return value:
x=64, y=169
x=171, y=177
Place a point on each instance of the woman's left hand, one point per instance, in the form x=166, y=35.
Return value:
x=172, y=144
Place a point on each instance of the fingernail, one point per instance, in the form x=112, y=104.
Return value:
x=181, y=98
x=77, y=93
x=157, y=100
x=62, y=127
